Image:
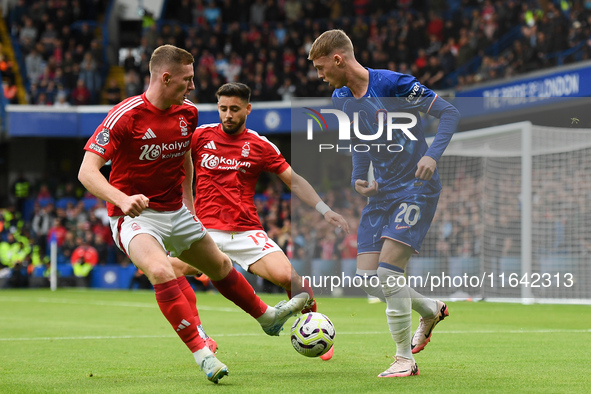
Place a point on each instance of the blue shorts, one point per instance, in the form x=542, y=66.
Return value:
x=406, y=220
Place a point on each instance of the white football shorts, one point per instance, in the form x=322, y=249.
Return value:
x=174, y=230
x=246, y=247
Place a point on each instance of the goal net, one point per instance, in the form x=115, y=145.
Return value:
x=513, y=219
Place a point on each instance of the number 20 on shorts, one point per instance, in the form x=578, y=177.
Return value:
x=408, y=213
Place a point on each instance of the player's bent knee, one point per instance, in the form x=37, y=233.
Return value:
x=159, y=273
x=181, y=268
x=189, y=270
x=220, y=268
x=226, y=264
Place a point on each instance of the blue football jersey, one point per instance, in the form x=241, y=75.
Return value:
x=394, y=167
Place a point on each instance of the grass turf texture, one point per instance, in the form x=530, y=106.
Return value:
x=117, y=341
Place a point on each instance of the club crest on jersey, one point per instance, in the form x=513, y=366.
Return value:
x=245, y=150
x=135, y=226
x=183, y=125
x=102, y=138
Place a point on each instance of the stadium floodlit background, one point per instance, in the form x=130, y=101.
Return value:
x=64, y=63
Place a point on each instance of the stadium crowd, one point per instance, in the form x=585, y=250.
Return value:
x=67, y=214
x=265, y=44
x=63, y=61
x=75, y=220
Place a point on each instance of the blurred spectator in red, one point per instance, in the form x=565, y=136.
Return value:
x=80, y=95
x=84, y=252
x=57, y=230
x=10, y=91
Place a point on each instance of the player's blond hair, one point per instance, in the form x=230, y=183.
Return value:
x=330, y=41
x=169, y=56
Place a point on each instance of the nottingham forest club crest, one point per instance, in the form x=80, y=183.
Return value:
x=183, y=125
x=245, y=150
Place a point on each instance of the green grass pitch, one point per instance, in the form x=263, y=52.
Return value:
x=88, y=341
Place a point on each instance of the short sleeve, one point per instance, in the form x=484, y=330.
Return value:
x=104, y=140
x=275, y=162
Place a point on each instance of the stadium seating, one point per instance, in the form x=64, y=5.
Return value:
x=470, y=45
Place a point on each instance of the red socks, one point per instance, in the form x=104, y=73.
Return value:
x=176, y=309
x=308, y=289
x=237, y=289
x=189, y=294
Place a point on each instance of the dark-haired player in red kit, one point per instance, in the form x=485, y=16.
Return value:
x=147, y=138
x=228, y=159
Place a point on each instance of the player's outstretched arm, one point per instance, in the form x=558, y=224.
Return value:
x=92, y=179
x=307, y=194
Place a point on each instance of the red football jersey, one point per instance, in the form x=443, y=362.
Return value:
x=146, y=147
x=227, y=168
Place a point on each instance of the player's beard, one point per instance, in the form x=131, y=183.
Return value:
x=234, y=129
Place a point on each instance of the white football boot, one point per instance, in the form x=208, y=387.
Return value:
x=422, y=336
x=214, y=369
x=400, y=367
x=283, y=311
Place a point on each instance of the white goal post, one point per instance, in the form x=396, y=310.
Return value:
x=514, y=212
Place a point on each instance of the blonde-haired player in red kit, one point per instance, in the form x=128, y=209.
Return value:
x=228, y=159
x=147, y=139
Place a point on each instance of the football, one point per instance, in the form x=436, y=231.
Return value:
x=312, y=334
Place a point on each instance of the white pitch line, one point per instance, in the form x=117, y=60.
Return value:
x=87, y=337
x=107, y=303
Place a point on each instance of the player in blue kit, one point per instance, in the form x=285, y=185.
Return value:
x=403, y=197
